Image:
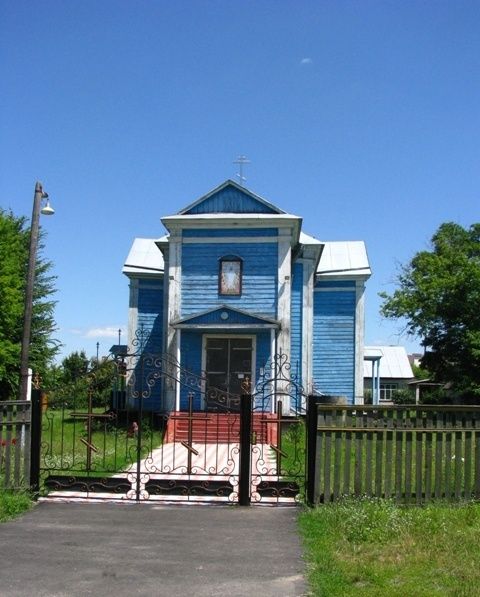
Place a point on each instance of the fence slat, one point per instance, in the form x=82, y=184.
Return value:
x=468, y=457
x=428, y=458
x=368, y=454
x=358, y=463
x=328, y=458
x=399, y=459
x=477, y=459
x=17, y=472
x=448, y=458
x=419, y=458
x=347, y=458
x=408, y=466
x=438, y=456
x=337, y=469
x=8, y=449
x=388, y=455
x=379, y=450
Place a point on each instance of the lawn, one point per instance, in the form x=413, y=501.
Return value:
x=13, y=503
x=376, y=548
x=64, y=444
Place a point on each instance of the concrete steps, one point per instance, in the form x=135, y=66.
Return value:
x=213, y=428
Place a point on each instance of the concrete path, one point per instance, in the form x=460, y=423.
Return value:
x=73, y=550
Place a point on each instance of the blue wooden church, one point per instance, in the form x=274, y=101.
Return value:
x=235, y=282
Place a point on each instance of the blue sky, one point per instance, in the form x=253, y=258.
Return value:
x=361, y=117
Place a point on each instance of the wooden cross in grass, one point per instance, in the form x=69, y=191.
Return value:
x=89, y=417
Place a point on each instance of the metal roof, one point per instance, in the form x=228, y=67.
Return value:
x=144, y=258
x=344, y=258
x=307, y=239
x=393, y=364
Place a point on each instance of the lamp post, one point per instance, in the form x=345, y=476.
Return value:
x=32, y=258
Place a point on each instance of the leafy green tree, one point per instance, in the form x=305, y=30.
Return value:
x=75, y=366
x=14, y=247
x=420, y=372
x=438, y=295
x=71, y=381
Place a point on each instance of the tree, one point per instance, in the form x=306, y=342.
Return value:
x=14, y=247
x=438, y=294
x=75, y=366
x=70, y=382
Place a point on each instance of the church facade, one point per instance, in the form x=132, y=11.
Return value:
x=235, y=282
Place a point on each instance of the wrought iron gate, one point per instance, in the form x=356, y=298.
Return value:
x=114, y=445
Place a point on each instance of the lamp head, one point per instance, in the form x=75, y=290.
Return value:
x=48, y=209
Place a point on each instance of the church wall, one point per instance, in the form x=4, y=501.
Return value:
x=150, y=316
x=200, y=268
x=191, y=360
x=296, y=321
x=334, y=339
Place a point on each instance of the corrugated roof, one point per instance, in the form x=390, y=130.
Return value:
x=394, y=362
x=144, y=258
x=344, y=257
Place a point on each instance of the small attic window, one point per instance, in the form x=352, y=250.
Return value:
x=230, y=276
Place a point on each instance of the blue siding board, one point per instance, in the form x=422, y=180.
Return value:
x=335, y=284
x=230, y=200
x=150, y=317
x=263, y=355
x=219, y=232
x=334, y=343
x=296, y=314
x=200, y=263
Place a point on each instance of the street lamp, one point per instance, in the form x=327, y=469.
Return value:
x=32, y=258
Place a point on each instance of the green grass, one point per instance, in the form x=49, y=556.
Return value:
x=64, y=451
x=13, y=504
x=372, y=548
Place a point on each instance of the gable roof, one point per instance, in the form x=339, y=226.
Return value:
x=230, y=197
x=225, y=316
x=394, y=362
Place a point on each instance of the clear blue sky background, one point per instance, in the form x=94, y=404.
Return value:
x=361, y=117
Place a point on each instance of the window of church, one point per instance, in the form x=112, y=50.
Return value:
x=230, y=276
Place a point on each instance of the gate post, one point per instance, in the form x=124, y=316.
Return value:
x=244, y=481
x=35, y=440
x=312, y=423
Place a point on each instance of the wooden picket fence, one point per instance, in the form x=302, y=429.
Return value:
x=413, y=454
x=15, y=436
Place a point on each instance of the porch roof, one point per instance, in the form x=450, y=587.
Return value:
x=225, y=317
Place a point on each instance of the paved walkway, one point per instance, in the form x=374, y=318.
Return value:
x=72, y=550
x=210, y=462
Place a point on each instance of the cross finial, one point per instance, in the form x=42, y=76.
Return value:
x=241, y=160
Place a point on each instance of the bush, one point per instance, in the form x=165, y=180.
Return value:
x=403, y=396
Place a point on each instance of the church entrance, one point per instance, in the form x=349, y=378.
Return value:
x=93, y=444
x=228, y=363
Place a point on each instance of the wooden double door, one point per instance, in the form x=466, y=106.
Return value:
x=229, y=363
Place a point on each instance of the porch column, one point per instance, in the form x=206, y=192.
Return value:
x=174, y=310
x=284, y=302
x=359, y=341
